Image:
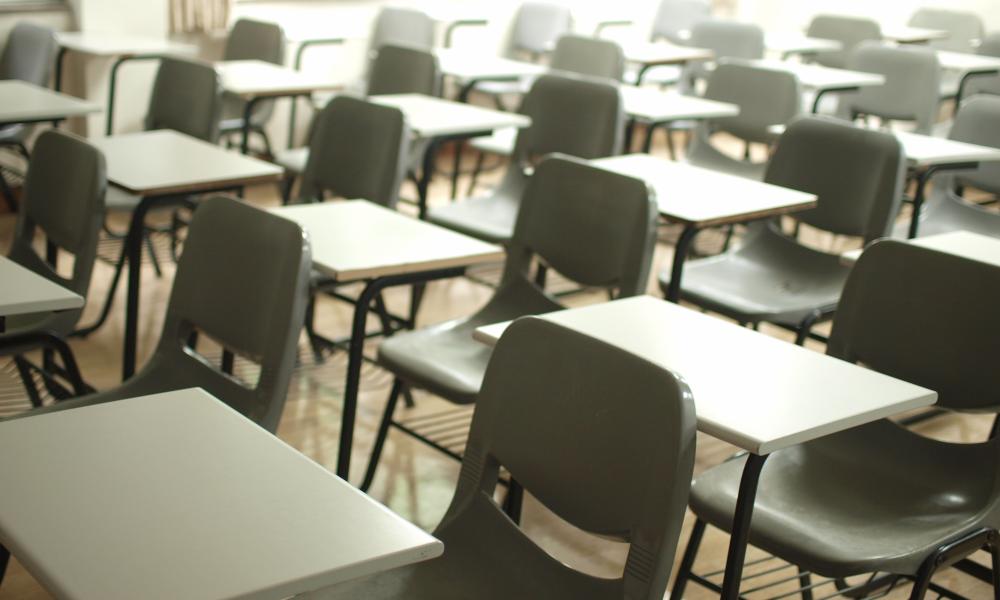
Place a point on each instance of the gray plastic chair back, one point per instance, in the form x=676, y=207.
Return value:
x=398, y=26
x=856, y=174
x=536, y=27
x=402, y=70
x=242, y=281
x=593, y=226
x=358, y=149
x=588, y=56
x=29, y=54
x=912, y=85
x=64, y=201
x=727, y=39
x=849, y=31
x=979, y=123
x=675, y=19
x=603, y=438
x=964, y=28
x=766, y=97
x=187, y=97
x=572, y=115
x=255, y=40
x=926, y=317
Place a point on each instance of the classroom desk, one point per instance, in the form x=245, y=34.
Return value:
x=122, y=47
x=968, y=66
x=25, y=292
x=23, y=102
x=647, y=55
x=904, y=34
x=256, y=80
x=655, y=107
x=822, y=80
x=164, y=168
x=176, y=495
x=786, y=44
x=966, y=244
x=756, y=392
x=360, y=241
x=698, y=198
x=441, y=121
x=470, y=68
x=928, y=155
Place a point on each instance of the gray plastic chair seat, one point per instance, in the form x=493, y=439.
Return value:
x=839, y=513
x=118, y=200
x=293, y=160
x=944, y=212
x=772, y=277
x=490, y=218
x=703, y=154
x=501, y=142
x=445, y=359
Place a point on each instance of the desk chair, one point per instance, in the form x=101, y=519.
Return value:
x=766, y=97
x=575, y=116
x=675, y=19
x=397, y=26
x=849, y=31
x=726, y=39
x=628, y=483
x=857, y=175
x=945, y=210
x=242, y=281
x=64, y=201
x=29, y=55
x=580, y=55
x=187, y=97
x=965, y=29
x=251, y=40
x=911, y=89
x=882, y=498
x=990, y=46
x=394, y=70
x=532, y=33
x=595, y=227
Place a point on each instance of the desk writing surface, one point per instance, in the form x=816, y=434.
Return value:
x=357, y=239
x=817, y=77
x=651, y=104
x=23, y=291
x=434, y=117
x=23, y=102
x=120, y=44
x=176, y=495
x=756, y=392
x=165, y=161
x=257, y=78
x=973, y=246
x=925, y=150
x=703, y=197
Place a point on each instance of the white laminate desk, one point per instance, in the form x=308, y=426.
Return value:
x=163, y=167
x=469, y=68
x=751, y=390
x=655, y=107
x=973, y=246
x=358, y=240
x=822, y=80
x=176, y=495
x=23, y=102
x=786, y=44
x=256, y=80
x=698, y=198
x=929, y=155
x=123, y=47
x=904, y=34
x=23, y=291
x=656, y=54
x=441, y=121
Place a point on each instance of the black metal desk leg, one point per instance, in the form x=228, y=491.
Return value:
x=247, y=113
x=133, y=254
x=60, y=62
x=680, y=255
x=112, y=88
x=426, y=173
x=918, y=202
x=741, y=526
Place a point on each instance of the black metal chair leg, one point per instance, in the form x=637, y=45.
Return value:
x=314, y=342
x=687, y=563
x=383, y=430
x=805, y=327
x=541, y=274
x=106, y=309
x=147, y=240
x=480, y=158
x=4, y=559
x=805, y=581
x=514, y=501
x=994, y=555
x=408, y=397
x=287, y=184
